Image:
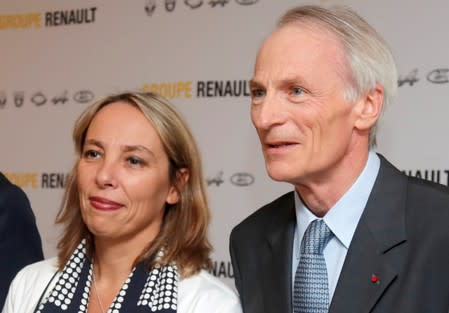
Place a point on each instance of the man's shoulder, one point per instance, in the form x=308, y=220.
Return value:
x=265, y=215
x=428, y=187
x=418, y=190
x=432, y=197
x=10, y=194
x=6, y=185
x=4, y=180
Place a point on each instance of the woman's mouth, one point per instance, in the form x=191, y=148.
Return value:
x=104, y=204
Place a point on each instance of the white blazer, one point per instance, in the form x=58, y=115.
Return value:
x=200, y=293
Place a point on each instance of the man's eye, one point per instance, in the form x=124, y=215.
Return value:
x=257, y=93
x=297, y=91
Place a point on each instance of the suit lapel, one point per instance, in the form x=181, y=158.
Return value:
x=278, y=258
x=369, y=268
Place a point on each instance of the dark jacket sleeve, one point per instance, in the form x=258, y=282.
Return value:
x=20, y=243
x=235, y=266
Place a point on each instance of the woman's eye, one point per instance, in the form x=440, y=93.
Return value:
x=92, y=154
x=135, y=161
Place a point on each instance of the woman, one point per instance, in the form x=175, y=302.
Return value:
x=134, y=219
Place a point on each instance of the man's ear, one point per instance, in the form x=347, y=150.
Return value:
x=182, y=177
x=369, y=108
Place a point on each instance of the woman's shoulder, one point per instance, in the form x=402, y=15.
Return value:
x=41, y=268
x=36, y=273
x=203, y=292
x=204, y=281
x=28, y=285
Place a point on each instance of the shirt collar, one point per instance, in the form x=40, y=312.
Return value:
x=343, y=217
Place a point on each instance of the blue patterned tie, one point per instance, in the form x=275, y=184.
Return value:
x=311, y=291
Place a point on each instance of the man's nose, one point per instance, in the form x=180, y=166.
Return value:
x=268, y=113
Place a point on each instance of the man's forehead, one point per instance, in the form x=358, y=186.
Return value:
x=298, y=41
x=294, y=34
x=298, y=55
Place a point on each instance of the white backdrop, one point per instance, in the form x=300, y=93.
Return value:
x=56, y=55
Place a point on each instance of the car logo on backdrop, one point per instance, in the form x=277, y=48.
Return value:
x=239, y=179
x=2, y=99
x=217, y=179
x=213, y=3
x=170, y=5
x=19, y=98
x=410, y=78
x=246, y=2
x=39, y=98
x=242, y=179
x=83, y=96
x=60, y=99
x=438, y=76
x=193, y=4
x=150, y=7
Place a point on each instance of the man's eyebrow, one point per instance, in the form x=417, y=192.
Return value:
x=254, y=83
x=294, y=80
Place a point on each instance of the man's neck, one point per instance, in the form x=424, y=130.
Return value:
x=320, y=194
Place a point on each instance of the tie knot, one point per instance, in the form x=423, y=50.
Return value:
x=315, y=238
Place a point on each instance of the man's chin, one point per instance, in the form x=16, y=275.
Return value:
x=279, y=175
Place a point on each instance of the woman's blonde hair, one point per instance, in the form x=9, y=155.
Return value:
x=183, y=234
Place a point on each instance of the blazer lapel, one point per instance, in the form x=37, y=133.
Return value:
x=278, y=259
x=369, y=268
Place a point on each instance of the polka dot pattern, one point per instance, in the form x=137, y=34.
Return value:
x=69, y=295
x=86, y=291
x=161, y=289
x=64, y=290
x=120, y=298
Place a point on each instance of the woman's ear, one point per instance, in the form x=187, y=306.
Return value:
x=369, y=108
x=182, y=177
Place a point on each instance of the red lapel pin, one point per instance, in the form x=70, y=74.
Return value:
x=374, y=279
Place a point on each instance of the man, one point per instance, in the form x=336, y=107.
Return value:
x=20, y=242
x=356, y=235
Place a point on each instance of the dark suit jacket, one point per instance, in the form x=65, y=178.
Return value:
x=20, y=243
x=402, y=238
